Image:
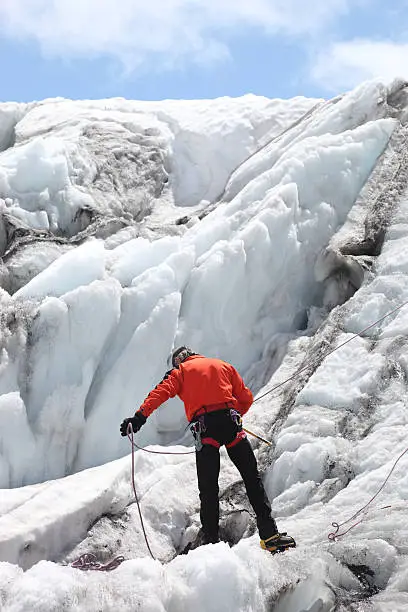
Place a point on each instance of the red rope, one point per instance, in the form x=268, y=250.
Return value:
x=130, y=435
x=146, y=450
x=88, y=562
x=336, y=348
x=333, y=536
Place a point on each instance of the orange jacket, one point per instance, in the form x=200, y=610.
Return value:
x=203, y=385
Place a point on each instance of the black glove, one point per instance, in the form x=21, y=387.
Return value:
x=137, y=421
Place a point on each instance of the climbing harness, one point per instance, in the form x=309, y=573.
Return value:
x=198, y=428
x=236, y=417
x=335, y=535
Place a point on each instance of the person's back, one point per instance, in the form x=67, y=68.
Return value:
x=203, y=384
x=208, y=384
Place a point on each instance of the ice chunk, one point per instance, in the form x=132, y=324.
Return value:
x=76, y=268
x=346, y=376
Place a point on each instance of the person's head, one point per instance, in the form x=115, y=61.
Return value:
x=180, y=355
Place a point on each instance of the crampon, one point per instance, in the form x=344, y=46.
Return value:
x=278, y=543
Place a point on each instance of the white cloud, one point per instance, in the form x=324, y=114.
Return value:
x=346, y=64
x=167, y=31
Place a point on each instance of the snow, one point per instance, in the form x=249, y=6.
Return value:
x=11, y=113
x=270, y=270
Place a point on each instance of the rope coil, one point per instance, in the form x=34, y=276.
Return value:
x=88, y=562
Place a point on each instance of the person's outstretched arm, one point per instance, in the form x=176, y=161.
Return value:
x=167, y=388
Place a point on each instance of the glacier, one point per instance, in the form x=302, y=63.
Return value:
x=265, y=232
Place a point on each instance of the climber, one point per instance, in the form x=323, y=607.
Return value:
x=215, y=398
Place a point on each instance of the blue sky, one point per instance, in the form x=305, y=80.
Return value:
x=155, y=49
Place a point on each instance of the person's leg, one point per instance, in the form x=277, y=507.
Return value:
x=208, y=469
x=244, y=459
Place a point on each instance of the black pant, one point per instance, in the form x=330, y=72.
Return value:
x=222, y=428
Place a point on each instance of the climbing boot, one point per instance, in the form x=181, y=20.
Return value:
x=278, y=543
x=210, y=538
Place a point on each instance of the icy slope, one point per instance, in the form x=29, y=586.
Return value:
x=289, y=208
